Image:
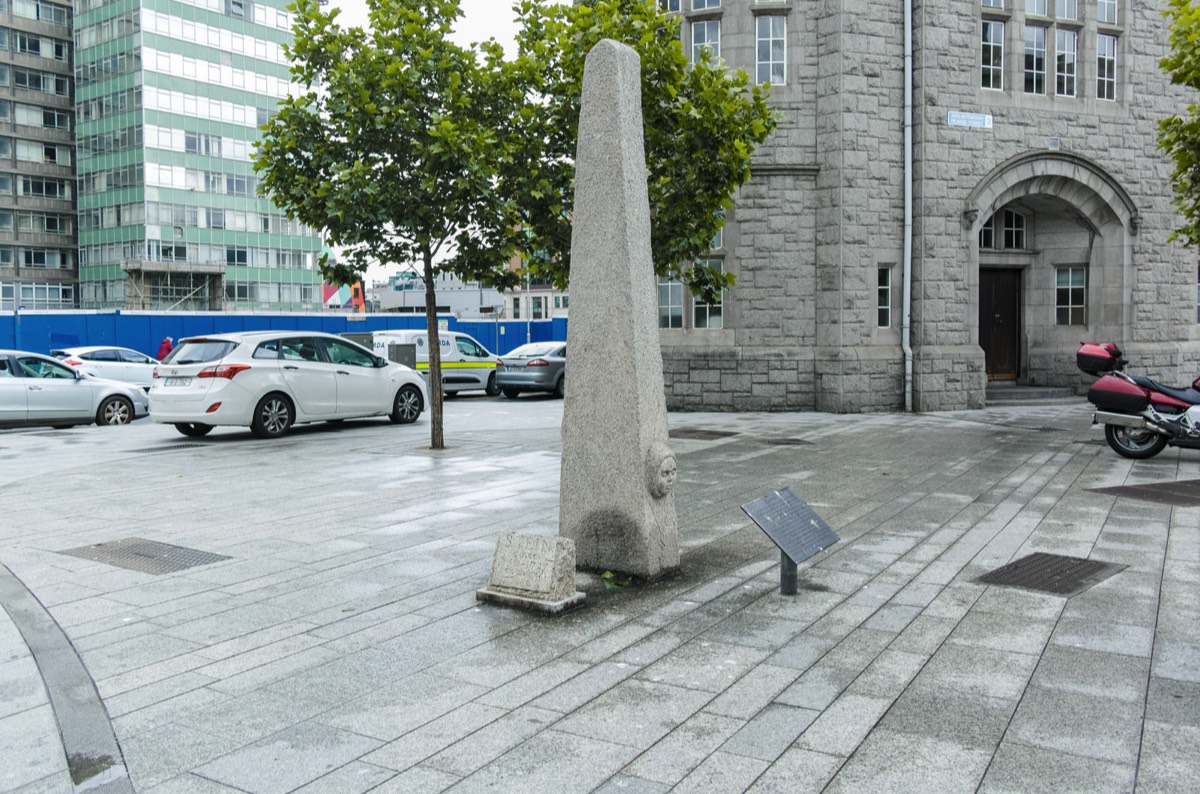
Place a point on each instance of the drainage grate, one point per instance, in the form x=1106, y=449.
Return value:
x=697, y=434
x=147, y=556
x=1052, y=573
x=786, y=442
x=170, y=448
x=1185, y=493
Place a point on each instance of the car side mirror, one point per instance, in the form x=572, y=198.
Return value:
x=380, y=362
x=80, y=375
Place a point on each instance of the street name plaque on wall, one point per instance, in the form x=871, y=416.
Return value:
x=792, y=526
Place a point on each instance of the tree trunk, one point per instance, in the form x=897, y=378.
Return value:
x=435, y=355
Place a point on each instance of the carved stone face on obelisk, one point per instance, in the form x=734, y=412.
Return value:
x=616, y=497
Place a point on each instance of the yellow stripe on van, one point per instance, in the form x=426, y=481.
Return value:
x=460, y=365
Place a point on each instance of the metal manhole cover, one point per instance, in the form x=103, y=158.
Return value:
x=147, y=556
x=1051, y=573
x=697, y=434
x=786, y=442
x=1185, y=493
x=170, y=448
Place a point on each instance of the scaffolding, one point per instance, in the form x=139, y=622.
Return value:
x=174, y=286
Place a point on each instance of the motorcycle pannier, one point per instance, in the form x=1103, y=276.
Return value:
x=1097, y=359
x=1110, y=393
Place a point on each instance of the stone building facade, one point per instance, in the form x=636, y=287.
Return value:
x=1040, y=207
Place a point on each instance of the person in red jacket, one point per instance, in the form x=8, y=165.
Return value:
x=166, y=347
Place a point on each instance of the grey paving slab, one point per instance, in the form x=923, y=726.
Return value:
x=1086, y=725
x=550, y=761
x=1169, y=760
x=635, y=712
x=722, y=772
x=674, y=757
x=1019, y=769
x=896, y=763
x=490, y=741
x=289, y=759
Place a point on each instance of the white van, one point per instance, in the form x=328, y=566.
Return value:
x=466, y=364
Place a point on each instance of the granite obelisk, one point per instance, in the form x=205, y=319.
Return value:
x=616, y=497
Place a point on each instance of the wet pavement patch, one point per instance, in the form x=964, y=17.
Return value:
x=696, y=434
x=1185, y=493
x=147, y=556
x=786, y=442
x=170, y=448
x=1051, y=573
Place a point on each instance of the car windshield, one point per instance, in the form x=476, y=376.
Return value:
x=534, y=350
x=199, y=351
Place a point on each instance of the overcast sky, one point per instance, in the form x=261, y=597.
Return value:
x=481, y=20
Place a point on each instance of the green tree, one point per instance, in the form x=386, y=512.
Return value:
x=1179, y=135
x=702, y=123
x=392, y=150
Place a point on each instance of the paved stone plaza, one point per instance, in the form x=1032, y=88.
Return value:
x=340, y=647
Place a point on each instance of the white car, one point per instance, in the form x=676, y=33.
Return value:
x=112, y=363
x=39, y=390
x=270, y=380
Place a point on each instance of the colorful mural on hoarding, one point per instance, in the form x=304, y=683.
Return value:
x=347, y=296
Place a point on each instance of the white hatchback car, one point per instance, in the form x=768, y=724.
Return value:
x=113, y=363
x=270, y=380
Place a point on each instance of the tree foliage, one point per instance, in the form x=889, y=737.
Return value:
x=1179, y=135
x=702, y=123
x=391, y=149
x=405, y=148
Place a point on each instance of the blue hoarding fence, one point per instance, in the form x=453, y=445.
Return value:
x=43, y=331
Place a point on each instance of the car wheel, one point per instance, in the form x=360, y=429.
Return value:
x=511, y=393
x=193, y=429
x=272, y=416
x=407, y=405
x=492, y=389
x=115, y=411
x=560, y=388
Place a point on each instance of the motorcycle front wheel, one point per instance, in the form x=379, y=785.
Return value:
x=1134, y=442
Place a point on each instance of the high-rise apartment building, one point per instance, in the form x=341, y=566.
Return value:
x=909, y=235
x=169, y=98
x=37, y=178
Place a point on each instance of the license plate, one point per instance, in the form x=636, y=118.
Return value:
x=168, y=382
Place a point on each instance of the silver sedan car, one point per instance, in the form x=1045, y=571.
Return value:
x=113, y=363
x=40, y=390
x=537, y=366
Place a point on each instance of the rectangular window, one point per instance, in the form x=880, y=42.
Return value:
x=1035, y=60
x=1064, y=65
x=771, y=49
x=1106, y=67
x=706, y=35
x=1067, y=9
x=708, y=315
x=516, y=308
x=992, y=55
x=538, y=311
x=1070, y=295
x=1014, y=229
x=670, y=303
x=1035, y=7
x=993, y=3
x=668, y=5
x=1106, y=11
x=884, y=297
x=700, y=5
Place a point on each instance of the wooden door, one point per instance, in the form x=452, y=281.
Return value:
x=1000, y=322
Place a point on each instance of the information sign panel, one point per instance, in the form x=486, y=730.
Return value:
x=791, y=524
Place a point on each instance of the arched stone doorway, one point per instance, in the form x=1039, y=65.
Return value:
x=1050, y=240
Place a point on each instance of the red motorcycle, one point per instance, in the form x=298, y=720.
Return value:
x=1141, y=417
